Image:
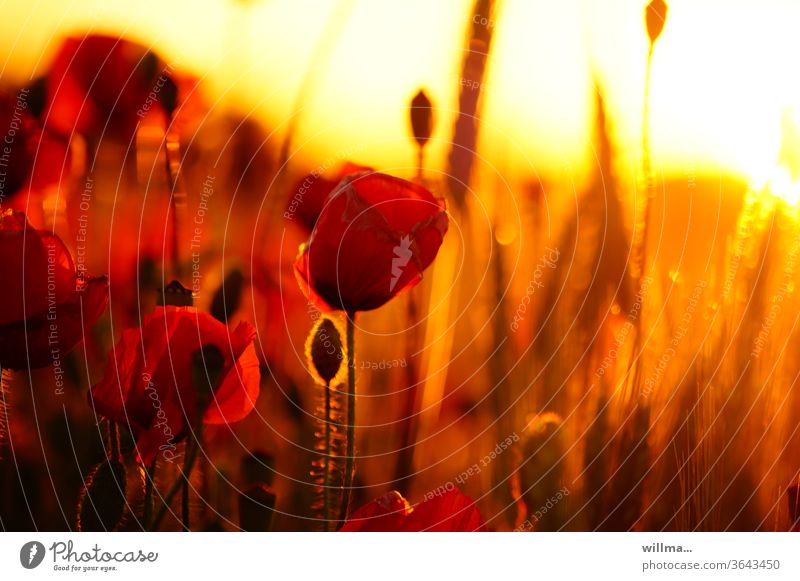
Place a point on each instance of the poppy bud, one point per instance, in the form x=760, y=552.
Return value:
x=654, y=16
x=207, y=365
x=324, y=350
x=102, y=502
x=174, y=295
x=421, y=118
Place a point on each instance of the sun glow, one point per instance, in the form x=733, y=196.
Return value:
x=723, y=73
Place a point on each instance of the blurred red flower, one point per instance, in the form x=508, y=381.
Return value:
x=310, y=194
x=24, y=143
x=447, y=513
x=375, y=236
x=101, y=86
x=45, y=307
x=148, y=384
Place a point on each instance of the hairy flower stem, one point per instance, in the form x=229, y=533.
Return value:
x=326, y=484
x=350, y=460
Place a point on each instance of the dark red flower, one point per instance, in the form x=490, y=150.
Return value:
x=446, y=513
x=148, y=384
x=101, y=86
x=17, y=128
x=375, y=236
x=45, y=307
x=310, y=194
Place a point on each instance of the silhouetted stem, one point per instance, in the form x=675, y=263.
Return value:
x=647, y=170
x=171, y=143
x=326, y=491
x=191, y=456
x=5, y=385
x=350, y=459
x=150, y=474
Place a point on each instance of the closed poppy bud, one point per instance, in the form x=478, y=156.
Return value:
x=448, y=512
x=374, y=238
x=421, y=118
x=150, y=381
x=324, y=350
x=102, y=501
x=654, y=16
x=45, y=306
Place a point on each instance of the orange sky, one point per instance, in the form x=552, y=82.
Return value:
x=724, y=72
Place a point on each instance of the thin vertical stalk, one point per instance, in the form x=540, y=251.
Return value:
x=191, y=456
x=326, y=479
x=351, y=419
x=647, y=170
x=176, y=195
x=5, y=385
x=149, y=474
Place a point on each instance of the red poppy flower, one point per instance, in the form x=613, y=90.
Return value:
x=100, y=85
x=17, y=127
x=447, y=513
x=310, y=194
x=148, y=382
x=375, y=236
x=45, y=307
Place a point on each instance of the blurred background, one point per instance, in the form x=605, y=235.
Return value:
x=615, y=351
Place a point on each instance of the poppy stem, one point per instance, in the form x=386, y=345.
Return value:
x=420, y=165
x=5, y=385
x=326, y=482
x=149, y=475
x=114, y=451
x=191, y=456
x=350, y=456
x=171, y=144
x=185, y=505
x=647, y=169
